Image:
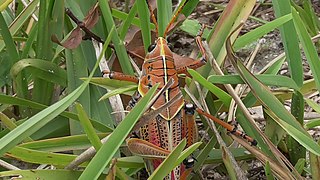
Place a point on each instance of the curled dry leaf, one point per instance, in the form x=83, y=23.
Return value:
x=72, y=41
x=92, y=17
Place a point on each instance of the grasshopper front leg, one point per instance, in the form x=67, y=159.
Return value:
x=120, y=76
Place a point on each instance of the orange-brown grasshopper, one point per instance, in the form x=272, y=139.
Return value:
x=167, y=126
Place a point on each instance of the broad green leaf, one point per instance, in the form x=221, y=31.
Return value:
x=192, y=27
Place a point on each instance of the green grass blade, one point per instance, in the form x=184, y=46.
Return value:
x=41, y=157
x=293, y=55
x=126, y=24
x=88, y=128
x=185, y=153
x=26, y=103
x=203, y=155
x=235, y=12
x=255, y=34
x=300, y=165
x=308, y=47
x=304, y=139
x=42, y=69
x=264, y=95
x=272, y=104
x=107, y=151
x=189, y=7
x=4, y=4
x=21, y=19
x=144, y=16
x=42, y=118
x=60, y=144
x=7, y=38
x=315, y=165
x=169, y=163
x=313, y=105
x=47, y=174
x=223, y=96
x=122, y=90
x=110, y=84
x=39, y=120
x=268, y=171
x=118, y=44
x=9, y=124
x=164, y=14
x=268, y=79
x=228, y=164
x=312, y=123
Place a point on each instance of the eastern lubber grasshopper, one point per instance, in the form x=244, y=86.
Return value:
x=158, y=135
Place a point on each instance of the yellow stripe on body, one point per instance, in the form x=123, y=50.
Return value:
x=163, y=55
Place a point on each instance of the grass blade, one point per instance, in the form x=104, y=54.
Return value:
x=144, y=15
x=308, y=47
x=42, y=69
x=107, y=151
x=26, y=103
x=88, y=128
x=223, y=96
x=169, y=163
x=7, y=38
x=118, y=44
x=39, y=120
x=253, y=35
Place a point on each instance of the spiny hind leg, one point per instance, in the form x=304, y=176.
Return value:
x=231, y=128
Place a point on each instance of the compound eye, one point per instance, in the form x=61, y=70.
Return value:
x=170, y=46
x=151, y=47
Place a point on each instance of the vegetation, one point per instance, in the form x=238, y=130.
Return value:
x=55, y=104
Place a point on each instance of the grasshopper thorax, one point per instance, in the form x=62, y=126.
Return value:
x=159, y=67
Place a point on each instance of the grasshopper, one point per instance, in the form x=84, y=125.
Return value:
x=156, y=137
